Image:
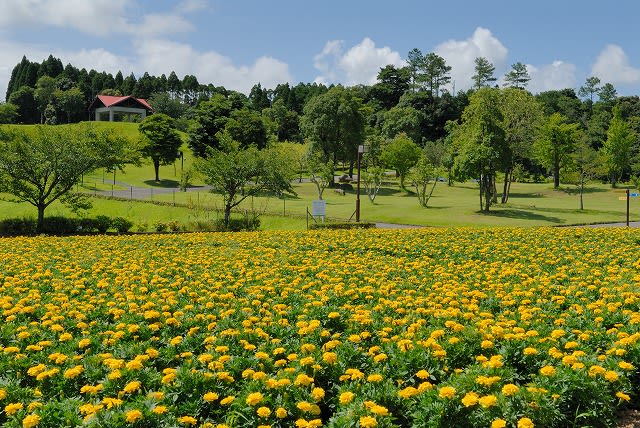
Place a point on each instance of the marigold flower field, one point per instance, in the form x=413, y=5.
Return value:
x=416, y=328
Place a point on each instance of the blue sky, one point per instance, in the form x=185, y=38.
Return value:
x=242, y=42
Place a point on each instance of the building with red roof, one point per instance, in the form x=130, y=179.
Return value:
x=119, y=109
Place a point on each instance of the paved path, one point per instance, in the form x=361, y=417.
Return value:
x=634, y=224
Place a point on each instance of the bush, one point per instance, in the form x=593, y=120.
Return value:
x=103, y=223
x=88, y=225
x=347, y=225
x=121, y=224
x=60, y=225
x=160, y=227
x=238, y=224
x=174, y=226
x=17, y=226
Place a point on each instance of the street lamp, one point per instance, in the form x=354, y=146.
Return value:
x=361, y=149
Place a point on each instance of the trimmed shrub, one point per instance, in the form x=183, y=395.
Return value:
x=238, y=224
x=346, y=225
x=17, y=226
x=102, y=223
x=121, y=224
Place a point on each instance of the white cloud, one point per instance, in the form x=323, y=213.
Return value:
x=613, y=66
x=190, y=6
x=97, y=17
x=155, y=24
x=163, y=56
x=461, y=54
x=359, y=65
x=557, y=75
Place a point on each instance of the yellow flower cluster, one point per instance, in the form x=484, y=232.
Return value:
x=369, y=328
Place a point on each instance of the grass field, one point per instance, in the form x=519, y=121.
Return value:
x=440, y=327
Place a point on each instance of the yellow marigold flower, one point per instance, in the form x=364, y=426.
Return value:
x=379, y=358
x=302, y=423
x=304, y=406
x=408, y=392
x=486, y=344
x=498, y=423
x=303, y=380
x=12, y=408
x=160, y=410
x=525, y=423
x=73, y=372
x=346, y=397
x=111, y=402
x=622, y=396
x=227, y=400
x=30, y=421
x=547, y=371
x=528, y=351
x=131, y=387
x=330, y=357
x=611, y=376
x=3, y=394
x=447, y=392
x=281, y=413
x=375, y=378
x=83, y=343
x=254, y=398
x=187, y=420
x=488, y=401
x=425, y=386
x=625, y=366
x=210, y=396
x=133, y=416
x=470, y=399
x=263, y=412
x=422, y=374
x=510, y=389
x=317, y=393
x=379, y=410
x=368, y=421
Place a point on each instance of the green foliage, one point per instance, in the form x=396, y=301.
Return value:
x=484, y=73
x=401, y=154
x=161, y=141
x=617, y=147
x=42, y=166
x=555, y=144
x=421, y=175
x=121, y=224
x=8, y=113
x=241, y=173
x=372, y=181
x=210, y=118
x=403, y=120
x=518, y=76
x=247, y=127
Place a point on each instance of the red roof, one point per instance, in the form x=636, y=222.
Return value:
x=108, y=101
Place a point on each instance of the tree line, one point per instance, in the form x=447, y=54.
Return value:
x=409, y=119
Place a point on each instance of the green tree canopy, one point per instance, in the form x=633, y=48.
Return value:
x=518, y=76
x=555, y=144
x=617, y=147
x=210, y=118
x=401, y=154
x=41, y=166
x=484, y=73
x=161, y=140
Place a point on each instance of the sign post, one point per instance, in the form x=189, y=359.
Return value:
x=319, y=209
x=627, y=207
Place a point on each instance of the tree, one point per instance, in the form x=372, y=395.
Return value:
x=238, y=173
x=259, y=98
x=42, y=166
x=555, y=144
x=334, y=125
x=161, y=141
x=372, y=181
x=8, y=113
x=24, y=100
x=402, y=119
x=484, y=73
x=422, y=175
x=71, y=102
x=607, y=93
x=286, y=123
x=247, y=127
x=590, y=88
x=617, y=147
x=162, y=102
x=320, y=173
x=43, y=94
x=210, y=118
x=415, y=59
x=585, y=165
x=434, y=73
x=480, y=142
x=401, y=154
x=518, y=77
x=522, y=118
x=392, y=83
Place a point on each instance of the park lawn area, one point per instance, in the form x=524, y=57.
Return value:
x=529, y=205
x=143, y=214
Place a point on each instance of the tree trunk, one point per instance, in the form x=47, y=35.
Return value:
x=351, y=168
x=613, y=180
x=494, y=190
x=227, y=214
x=581, y=192
x=40, y=222
x=481, y=192
x=505, y=187
x=556, y=175
x=156, y=167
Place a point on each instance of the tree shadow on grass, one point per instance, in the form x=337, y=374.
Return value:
x=525, y=195
x=522, y=215
x=586, y=191
x=166, y=184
